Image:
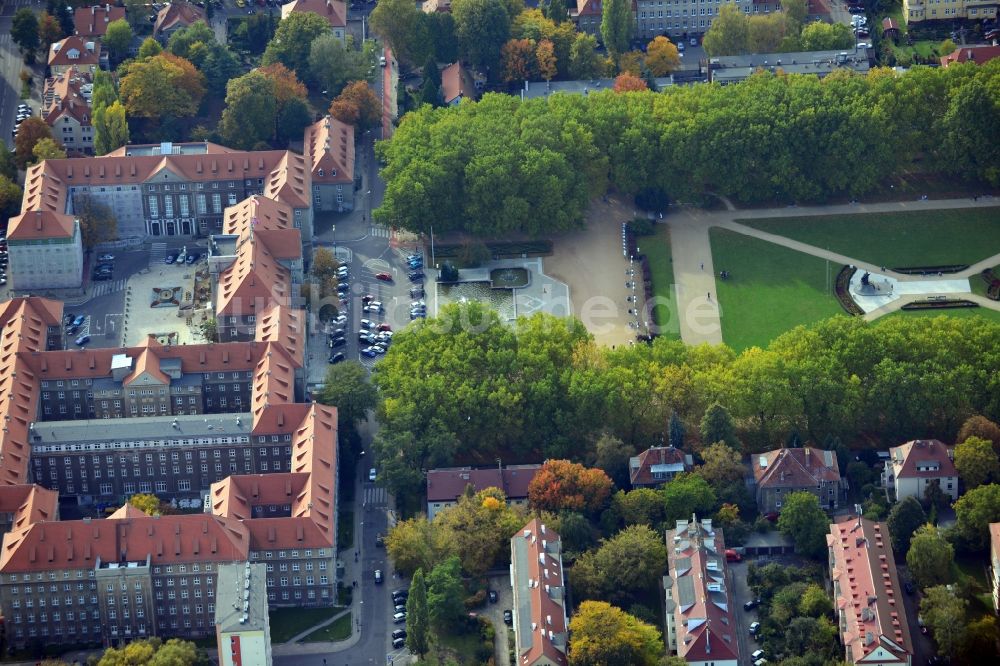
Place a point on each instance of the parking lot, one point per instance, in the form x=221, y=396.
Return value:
x=744, y=618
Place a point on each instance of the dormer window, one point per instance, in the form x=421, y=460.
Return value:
x=320, y=173
x=333, y=172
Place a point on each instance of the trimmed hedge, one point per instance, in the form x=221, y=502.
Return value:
x=842, y=288
x=943, y=304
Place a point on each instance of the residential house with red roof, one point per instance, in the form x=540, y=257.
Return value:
x=174, y=16
x=447, y=484
x=587, y=16
x=700, y=622
x=916, y=464
x=75, y=51
x=867, y=594
x=657, y=465
x=329, y=152
x=536, y=575
x=66, y=109
x=977, y=53
x=92, y=22
x=334, y=11
x=995, y=564
x=457, y=84
x=46, y=251
x=781, y=472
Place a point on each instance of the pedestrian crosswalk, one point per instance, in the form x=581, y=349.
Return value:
x=157, y=253
x=375, y=496
x=106, y=287
x=380, y=232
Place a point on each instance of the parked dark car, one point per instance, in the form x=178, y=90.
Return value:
x=493, y=596
x=508, y=618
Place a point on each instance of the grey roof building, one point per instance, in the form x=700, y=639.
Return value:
x=733, y=69
x=241, y=621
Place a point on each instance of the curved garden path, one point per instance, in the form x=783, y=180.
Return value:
x=694, y=276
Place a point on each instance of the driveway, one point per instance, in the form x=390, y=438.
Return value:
x=505, y=600
x=741, y=595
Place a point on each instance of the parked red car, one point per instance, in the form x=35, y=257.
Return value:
x=385, y=277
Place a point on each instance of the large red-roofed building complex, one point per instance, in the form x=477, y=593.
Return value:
x=700, y=624
x=536, y=575
x=915, y=465
x=867, y=594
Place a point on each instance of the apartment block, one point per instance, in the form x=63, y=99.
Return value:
x=867, y=594
x=918, y=11
x=46, y=251
x=66, y=109
x=536, y=575
x=92, y=22
x=334, y=11
x=698, y=605
x=85, y=55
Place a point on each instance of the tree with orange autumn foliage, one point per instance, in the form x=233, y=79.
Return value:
x=286, y=84
x=546, y=56
x=357, y=105
x=626, y=82
x=562, y=485
x=519, y=60
x=662, y=56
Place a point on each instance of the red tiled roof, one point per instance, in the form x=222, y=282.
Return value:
x=126, y=510
x=28, y=504
x=87, y=52
x=148, y=363
x=795, y=468
x=641, y=467
x=548, y=616
x=177, y=15
x=702, y=605
x=448, y=484
x=259, y=213
x=907, y=457
x=870, y=595
x=329, y=148
x=979, y=54
x=588, y=8
x=63, y=97
x=273, y=380
x=40, y=224
x=286, y=327
x=76, y=544
x=334, y=11
x=93, y=21
x=456, y=82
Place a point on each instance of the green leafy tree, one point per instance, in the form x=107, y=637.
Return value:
x=642, y=506
x=63, y=14
x=721, y=465
x=10, y=197
x=662, y=56
x=346, y=387
x=8, y=167
x=24, y=31
x=478, y=529
x=483, y=27
x=717, y=426
x=48, y=149
x=445, y=594
x=687, y=494
x=149, y=48
x=797, y=10
x=293, y=40
x=414, y=545
x=676, y=431
x=442, y=35
x=612, y=455
x=930, y=557
x=616, y=26
x=97, y=221
x=981, y=427
x=815, y=602
x=626, y=564
x=604, y=634
x=251, y=110
x=117, y=39
x=402, y=26
x=584, y=60
x=293, y=118
x=181, y=42
x=819, y=36
x=975, y=510
x=430, y=91
x=333, y=64
x=976, y=462
x=417, y=619
x=805, y=523
x=147, y=503
x=557, y=11
x=944, y=614
x=110, y=128
x=904, y=519
x=729, y=33
x=49, y=31
x=162, y=85
x=979, y=641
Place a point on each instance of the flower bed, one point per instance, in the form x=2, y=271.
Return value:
x=942, y=304
x=993, y=284
x=842, y=288
x=931, y=270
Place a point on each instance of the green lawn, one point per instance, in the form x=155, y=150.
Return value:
x=288, y=622
x=917, y=238
x=657, y=251
x=771, y=289
x=985, y=313
x=338, y=630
